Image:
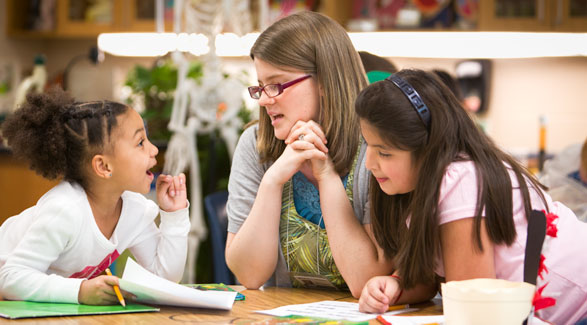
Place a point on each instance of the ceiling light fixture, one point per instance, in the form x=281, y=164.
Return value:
x=466, y=45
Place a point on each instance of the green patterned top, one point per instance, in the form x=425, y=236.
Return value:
x=304, y=244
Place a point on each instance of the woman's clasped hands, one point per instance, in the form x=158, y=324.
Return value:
x=306, y=144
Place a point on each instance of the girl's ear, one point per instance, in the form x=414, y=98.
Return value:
x=101, y=167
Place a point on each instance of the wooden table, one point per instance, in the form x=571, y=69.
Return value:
x=242, y=311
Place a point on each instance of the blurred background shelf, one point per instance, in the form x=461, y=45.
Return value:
x=82, y=19
x=534, y=15
x=475, y=15
x=88, y=18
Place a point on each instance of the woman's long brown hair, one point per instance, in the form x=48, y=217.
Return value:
x=317, y=45
x=452, y=136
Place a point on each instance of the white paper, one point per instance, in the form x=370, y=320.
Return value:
x=152, y=289
x=327, y=309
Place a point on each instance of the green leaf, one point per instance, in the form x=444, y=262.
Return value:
x=195, y=71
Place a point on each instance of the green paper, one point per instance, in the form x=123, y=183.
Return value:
x=29, y=309
x=217, y=287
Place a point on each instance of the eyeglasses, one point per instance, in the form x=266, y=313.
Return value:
x=274, y=90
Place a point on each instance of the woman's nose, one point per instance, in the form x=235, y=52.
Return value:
x=265, y=100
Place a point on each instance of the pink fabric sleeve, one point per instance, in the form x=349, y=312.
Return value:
x=458, y=192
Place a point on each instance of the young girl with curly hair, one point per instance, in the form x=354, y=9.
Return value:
x=56, y=250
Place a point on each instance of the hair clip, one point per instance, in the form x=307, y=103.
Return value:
x=414, y=98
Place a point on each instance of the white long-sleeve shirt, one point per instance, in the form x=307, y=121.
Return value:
x=49, y=249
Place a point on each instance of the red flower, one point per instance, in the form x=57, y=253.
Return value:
x=541, y=267
x=551, y=228
x=540, y=302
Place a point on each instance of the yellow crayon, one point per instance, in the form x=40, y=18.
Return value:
x=397, y=307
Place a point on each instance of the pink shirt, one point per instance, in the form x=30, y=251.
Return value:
x=565, y=255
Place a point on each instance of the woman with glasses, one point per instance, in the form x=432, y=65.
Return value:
x=297, y=207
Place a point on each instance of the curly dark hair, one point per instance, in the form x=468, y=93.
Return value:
x=58, y=135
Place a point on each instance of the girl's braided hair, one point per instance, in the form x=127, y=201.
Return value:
x=59, y=136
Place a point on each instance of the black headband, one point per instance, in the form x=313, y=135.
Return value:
x=414, y=98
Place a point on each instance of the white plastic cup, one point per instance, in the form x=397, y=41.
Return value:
x=486, y=301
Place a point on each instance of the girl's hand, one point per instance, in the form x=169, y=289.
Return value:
x=378, y=294
x=100, y=291
x=171, y=192
x=310, y=132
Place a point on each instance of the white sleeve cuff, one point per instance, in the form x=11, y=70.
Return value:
x=176, y=222
x=63, y=290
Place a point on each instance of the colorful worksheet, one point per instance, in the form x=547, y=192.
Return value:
x=414, y=320
x=299, y=320
x=328, y=309
x=29, y=309
x=152, y=289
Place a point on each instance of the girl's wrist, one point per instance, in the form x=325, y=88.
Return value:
x=399, y=283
